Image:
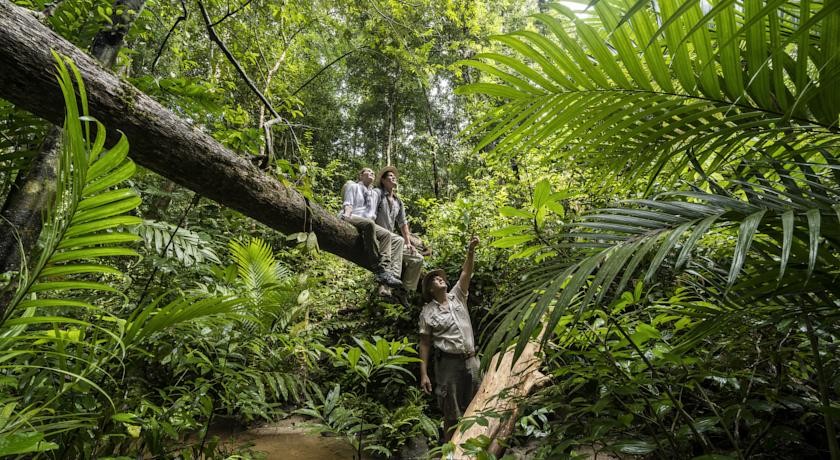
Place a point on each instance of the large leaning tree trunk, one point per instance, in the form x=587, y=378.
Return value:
x=159, y=139
x=34, y=189
x=503, y=386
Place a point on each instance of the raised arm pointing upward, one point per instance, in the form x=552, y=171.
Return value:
x=446, y=332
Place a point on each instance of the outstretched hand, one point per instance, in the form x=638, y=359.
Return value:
x=474, y=241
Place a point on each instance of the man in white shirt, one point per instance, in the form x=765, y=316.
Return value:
x=359, y=208
x=445, y=325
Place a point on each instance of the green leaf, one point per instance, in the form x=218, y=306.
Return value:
x=745, y=237
x=509, y=211
x=509, y=230
x=634, y=447
x=542, y=191
x=644, y=333
x=813, y=216
x=24, y=443
x=787, y=240
x=511, y=241
x=525, y=253
x=353, y=355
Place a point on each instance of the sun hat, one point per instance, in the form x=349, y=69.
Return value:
x=427, y=282
x=384, y=170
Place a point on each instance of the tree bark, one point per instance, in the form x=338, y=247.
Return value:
x=500, y=391
x=107, y=43
x=31, y=194
x=160, y=140
x=22, y=214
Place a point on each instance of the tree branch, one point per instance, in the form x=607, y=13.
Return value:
x=215, y=39
x=231, y=13
x=182, y=17
x=322, y=69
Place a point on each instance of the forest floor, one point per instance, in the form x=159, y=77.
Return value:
x=290, y=439
x=287, y=439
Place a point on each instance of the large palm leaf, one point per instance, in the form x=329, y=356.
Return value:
x=54, y=338
x=780, y=242
x=640, y=83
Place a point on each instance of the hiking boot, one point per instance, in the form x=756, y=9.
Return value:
x=384, y=291
x=388, y=280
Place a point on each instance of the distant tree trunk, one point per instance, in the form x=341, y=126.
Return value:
x=433, y=139
x=107, y=43
x=33, y=192
x=390, y=101
x=159, y=139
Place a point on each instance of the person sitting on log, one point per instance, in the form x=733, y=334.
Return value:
x=390, y=214
x=445, y=326
x=359, y=209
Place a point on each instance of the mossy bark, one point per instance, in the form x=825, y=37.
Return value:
x=159, y=139
x=30, y=196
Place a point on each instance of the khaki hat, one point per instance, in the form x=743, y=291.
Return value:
x=427, y=282
x=382, y=172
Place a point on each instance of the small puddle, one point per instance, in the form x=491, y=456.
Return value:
x=289, y=440
x=298, y=446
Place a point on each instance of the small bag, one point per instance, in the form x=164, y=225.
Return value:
x=412, y=264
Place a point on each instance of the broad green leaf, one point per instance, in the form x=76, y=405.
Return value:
x=511, y=241
x=24, y=443
x=509, y=211
x=542, y=191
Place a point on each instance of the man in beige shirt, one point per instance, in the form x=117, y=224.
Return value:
x=445, y=325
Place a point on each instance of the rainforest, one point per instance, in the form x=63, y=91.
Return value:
x=618, y=223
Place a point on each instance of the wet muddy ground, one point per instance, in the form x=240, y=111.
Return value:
x=288, y=440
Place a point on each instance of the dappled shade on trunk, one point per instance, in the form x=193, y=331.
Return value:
x=160, y=140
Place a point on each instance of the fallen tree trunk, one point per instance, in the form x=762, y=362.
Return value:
x=159, y=139
x=34, y=190
x=498, y=396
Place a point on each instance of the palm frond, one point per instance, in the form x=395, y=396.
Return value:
x=783, y=243
x=651, y=82
x=86, y=222
x=48, y=329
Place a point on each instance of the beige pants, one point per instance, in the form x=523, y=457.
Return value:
x=383, y=248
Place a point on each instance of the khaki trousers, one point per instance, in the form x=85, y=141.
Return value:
x=456, y=382
x=383, y=248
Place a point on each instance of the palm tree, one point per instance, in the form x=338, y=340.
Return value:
x=739, y=96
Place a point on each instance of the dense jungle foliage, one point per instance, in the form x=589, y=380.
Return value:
x=656, y=185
